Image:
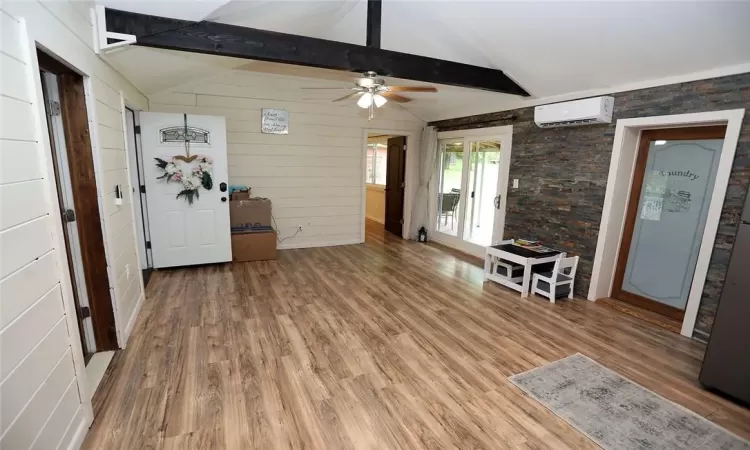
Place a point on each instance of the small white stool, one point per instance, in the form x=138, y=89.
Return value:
x=558, y=283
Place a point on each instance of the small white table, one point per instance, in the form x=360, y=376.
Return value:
x=518, y=255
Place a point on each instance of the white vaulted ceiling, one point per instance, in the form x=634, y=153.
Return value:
x=554, y=49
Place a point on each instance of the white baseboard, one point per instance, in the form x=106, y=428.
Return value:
x=376, y=219
x=80, y=434
x=131, y=321
x=292, y=245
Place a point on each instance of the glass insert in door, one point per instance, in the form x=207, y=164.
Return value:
x=484, y=170
x=449, y=186
x=668, y=223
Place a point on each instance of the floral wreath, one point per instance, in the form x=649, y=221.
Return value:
x=192, y=182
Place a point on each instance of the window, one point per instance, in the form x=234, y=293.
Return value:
x=377, y=163
x=184, y=133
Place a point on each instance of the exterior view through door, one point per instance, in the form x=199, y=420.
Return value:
x=671, y=192
x=186, y=228
x=471, y=183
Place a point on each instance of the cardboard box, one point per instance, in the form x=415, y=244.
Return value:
x=240, y=195
x=254, y=246
x=255, y=212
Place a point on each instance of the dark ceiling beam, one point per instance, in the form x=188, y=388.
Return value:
x=250, y=43
x=374, y=13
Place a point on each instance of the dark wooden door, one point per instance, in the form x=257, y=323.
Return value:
x=394, y=185
x=83, y=181
x=661, y=197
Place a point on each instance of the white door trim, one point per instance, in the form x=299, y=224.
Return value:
x=505, y=135
x=619, y=180
x=412, y=152
x=136, y=212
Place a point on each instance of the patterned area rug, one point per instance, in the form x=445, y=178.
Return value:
x=616, y=413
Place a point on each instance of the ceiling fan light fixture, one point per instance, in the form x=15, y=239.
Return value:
x=379, y=100
x=365, y=101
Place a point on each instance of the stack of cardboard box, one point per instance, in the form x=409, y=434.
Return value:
x=253, y=236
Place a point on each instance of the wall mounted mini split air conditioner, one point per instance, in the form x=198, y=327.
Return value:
x=575, y=113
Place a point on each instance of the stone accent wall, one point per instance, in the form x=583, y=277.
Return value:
x=563, y=174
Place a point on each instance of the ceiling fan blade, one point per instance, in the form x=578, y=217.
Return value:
x=395, y=97
x=412, y=89
x=347, y=96
x=330, y=88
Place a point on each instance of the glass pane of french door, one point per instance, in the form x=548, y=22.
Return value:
x=449, y=186
x=672, y=210
x=484, y=169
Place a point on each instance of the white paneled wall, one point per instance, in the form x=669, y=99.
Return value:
x=36, y=360
x=118, y=220
x=314, y=175
x=44, y=402
x=375, y=203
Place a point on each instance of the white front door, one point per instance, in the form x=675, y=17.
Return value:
x=184, y=233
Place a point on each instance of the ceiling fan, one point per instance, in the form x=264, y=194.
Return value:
x=374, y=93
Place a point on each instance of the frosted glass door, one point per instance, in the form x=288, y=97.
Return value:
x=675, y=194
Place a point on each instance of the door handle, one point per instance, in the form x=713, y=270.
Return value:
x=497, y=201
x=223, y=199
x=223, y=187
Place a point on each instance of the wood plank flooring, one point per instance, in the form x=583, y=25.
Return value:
x=389, y=344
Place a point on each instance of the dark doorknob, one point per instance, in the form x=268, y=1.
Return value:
x=223, y=199
x=223, y=187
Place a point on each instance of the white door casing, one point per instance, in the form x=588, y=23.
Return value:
x=183, y=234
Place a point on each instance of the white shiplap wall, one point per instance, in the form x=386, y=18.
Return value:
x=44, y=401
x=314, y=176
x=65, y=28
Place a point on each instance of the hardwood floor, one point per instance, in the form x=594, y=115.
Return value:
x=652, y=317
x=390, y=344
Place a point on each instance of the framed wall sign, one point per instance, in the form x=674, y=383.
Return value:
x=274, y=121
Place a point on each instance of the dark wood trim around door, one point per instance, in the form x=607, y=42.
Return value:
x=85, y=197
x=87, y=353
x=631, y=213
x=88, y=220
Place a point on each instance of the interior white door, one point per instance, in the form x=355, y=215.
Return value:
x=184, y=234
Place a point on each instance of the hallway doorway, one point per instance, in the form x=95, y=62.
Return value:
x=385, y=181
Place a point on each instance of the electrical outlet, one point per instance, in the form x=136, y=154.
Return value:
x=515, y=183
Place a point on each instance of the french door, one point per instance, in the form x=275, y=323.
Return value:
x=469, y=198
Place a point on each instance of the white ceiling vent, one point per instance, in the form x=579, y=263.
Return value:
x=575, y=113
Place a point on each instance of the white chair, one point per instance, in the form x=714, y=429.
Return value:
x=508, y=269
x=559, y=282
